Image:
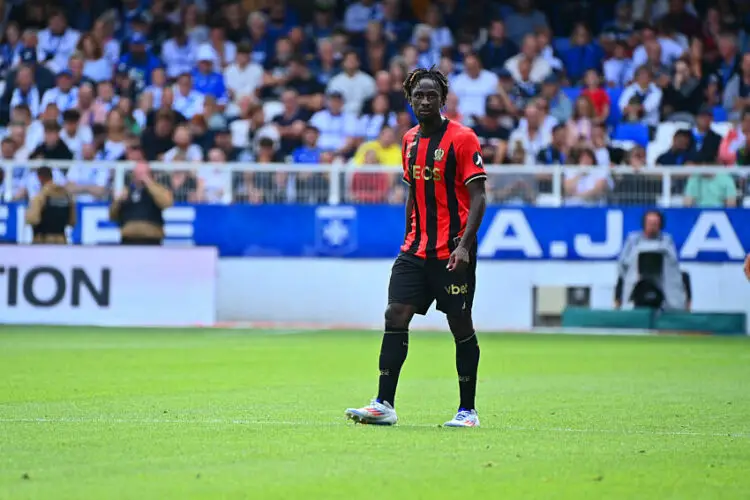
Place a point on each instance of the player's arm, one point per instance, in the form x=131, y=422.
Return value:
x=470, y=169
x=477, y=206
x=409, y=208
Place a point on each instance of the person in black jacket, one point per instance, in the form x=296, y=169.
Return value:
x=706, y=142
x=53, y=147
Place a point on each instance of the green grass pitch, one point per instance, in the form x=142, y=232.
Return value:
x=141, y=414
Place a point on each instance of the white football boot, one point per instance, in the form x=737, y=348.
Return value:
x=376, y=413
x=464, y=418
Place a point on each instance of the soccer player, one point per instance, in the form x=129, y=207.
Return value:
x=443, y=168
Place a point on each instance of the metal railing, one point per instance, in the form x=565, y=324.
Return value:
x=225, y=183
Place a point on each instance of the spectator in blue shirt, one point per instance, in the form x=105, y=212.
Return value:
x=311, y=187
x=582, y=55
x=498, y=48
x=309, y=152
x=281, y=19
x=207, y=81
x=139, y=61
x=260, y=39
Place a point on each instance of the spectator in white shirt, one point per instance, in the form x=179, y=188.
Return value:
x=225, y=51
x=18, y=132
x=337, y=127
x=95, y=66
x=532, y=137
x=214, y=181
x=356, y=86
x=103, y=32
x=360, y=13
x=540, y=68
x=73, y=134
x=58, y=42
x=187, y=102
x=441, y=36
x=473, y=86
x=35, y=130
x=587, y=186
x=670, y=49
x=87, y=181
x=158, y=84
x=178, y=53
x=617, y=69
x=184, y=150
x=26, y=91
x=428, y=55
x=115, y=144
x=64, y=95
x=243, y=77
x=641, y=100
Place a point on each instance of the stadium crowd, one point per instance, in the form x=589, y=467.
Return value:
x=593, y=83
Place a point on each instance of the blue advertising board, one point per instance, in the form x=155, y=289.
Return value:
x=376, y=231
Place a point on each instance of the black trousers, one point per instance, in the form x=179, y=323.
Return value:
x=141, y=241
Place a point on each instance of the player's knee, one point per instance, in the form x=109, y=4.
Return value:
x=462, y=327
x=398, y=316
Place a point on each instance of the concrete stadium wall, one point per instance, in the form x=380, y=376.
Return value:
x=354, y=292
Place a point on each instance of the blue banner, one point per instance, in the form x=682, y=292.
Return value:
x=376, y=231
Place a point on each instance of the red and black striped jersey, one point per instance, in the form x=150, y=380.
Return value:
x=437, y=169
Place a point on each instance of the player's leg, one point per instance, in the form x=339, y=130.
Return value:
x=407, y=295
x=455, y=298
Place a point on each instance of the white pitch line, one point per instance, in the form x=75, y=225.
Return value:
x=146, y=421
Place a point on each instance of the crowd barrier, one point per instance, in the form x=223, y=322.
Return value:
x=335, y=184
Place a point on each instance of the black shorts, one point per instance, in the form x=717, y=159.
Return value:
x=420, y=282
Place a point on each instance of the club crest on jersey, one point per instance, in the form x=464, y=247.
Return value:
x=478, y=159
x=439, y=153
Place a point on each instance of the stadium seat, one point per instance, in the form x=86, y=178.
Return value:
x=369, y=187
x=721, y=128
x=720, y=114
x=614, y=109
x=572, y=93
x=635, y=132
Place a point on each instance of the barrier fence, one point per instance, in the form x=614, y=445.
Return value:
x=253, y=183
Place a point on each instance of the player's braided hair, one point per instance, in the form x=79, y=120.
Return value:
x=433, y=74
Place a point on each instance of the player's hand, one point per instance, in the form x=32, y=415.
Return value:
x=747, y=267
x=458, y=260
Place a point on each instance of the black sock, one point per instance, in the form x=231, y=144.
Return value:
x=392, y=356
x=467, y=362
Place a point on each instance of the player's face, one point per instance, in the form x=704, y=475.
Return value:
x=425, y=99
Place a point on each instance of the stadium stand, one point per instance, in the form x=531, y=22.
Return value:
x=257, y=83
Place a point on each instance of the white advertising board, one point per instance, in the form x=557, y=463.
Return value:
x=107, y=285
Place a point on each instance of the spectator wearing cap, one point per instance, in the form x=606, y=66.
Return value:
x=705, y=141
x=187, y=101
x=358, y=14
x=64, y=95
x=336, y=125
x=640, y=101
x=540, y=68
x=52, y=147
x=498, y=48
x=473, y=86
x=26, y=91
x=243, y=77
x=736, y=95
x=178, y=53
x=139, y=61
x=206, y=80
x=355, y=85
x=58, y=41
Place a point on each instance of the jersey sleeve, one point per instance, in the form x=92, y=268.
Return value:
x=405, y=160
x=469, y=158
